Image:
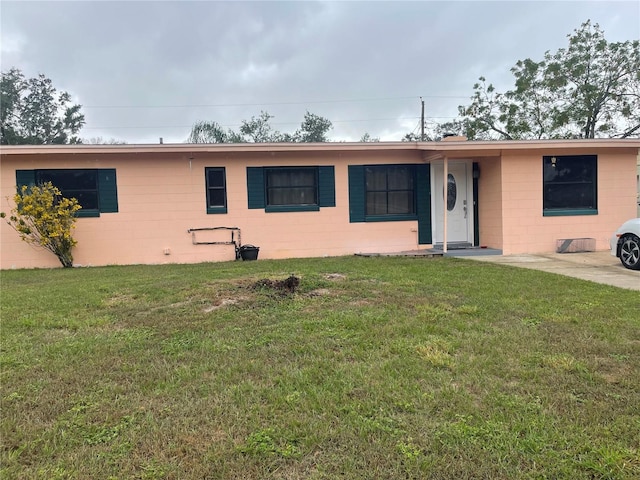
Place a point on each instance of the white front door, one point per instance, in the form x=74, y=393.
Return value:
x=456, y=199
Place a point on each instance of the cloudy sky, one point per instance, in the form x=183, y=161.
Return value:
x=148, y=69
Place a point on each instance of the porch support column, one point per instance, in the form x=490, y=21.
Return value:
x=445, y=186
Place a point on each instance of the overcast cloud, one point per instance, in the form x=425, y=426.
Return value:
x=144, y=70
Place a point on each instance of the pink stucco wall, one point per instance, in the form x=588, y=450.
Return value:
x=490, y=203
x=161, y=196
x=526, y=230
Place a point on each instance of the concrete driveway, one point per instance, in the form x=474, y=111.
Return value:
x=599, y=267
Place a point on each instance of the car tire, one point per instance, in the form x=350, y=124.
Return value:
x=630, y=251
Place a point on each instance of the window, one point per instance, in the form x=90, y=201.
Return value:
x=290, y=189
x=292, y=186
x=390, y=190
x=570, y=185
x=390, y=193
x=452, y=192
x=216, y=190
x=79, y=184
x=95, y=189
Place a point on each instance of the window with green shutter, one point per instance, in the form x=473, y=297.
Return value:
x=382, y=193
x=95, y=189
x=388, y=193
x=390, y=190
x=291, y=189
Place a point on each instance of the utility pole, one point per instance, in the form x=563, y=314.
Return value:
x=422, y=121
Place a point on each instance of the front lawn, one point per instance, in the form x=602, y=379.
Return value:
x=373, y=368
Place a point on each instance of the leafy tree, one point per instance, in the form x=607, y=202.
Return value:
x=589, y=89
x=258, y=130
x=368, y=138
x=33, y=112
x=207, y=132
x=411, y=137
x=313, y=128
x=102, y=141
x=435, y=131
x=441, y=130
x=44, y=218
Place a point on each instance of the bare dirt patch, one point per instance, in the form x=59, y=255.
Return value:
x=220, y=303
x=287, y=286
x=335, y=276
x=319, y=292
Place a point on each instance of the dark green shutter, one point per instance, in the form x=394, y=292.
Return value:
x=326, y=186
x=356, y=193
x=25, y=177
x=255, y=187
x=423, y=199
x=107, y=190
x=476, y=224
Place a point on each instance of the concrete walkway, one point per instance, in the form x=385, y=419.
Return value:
x=599, y=267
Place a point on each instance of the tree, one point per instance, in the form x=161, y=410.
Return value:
x=102, y=141
x=33, y=112
x=368, y=138
x=435, y=131
x=207, y=132
x=258, y=130
x=313, y=128
x=44, y=218
x=411, y=137
x=589, y=89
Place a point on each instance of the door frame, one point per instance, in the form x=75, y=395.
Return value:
x=437, y=168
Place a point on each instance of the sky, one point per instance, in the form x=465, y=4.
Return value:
x=148, y=70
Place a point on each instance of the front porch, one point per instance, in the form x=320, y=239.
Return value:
x=438, y=252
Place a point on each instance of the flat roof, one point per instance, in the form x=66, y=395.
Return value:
x=441, y=148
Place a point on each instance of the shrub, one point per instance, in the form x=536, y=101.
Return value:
x=43, y=217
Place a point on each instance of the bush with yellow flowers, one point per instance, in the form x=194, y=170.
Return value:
x=44, y=218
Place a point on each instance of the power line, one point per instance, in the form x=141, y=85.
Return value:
x=274, y=123
x=223, y=105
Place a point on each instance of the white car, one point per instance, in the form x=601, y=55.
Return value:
x=625, y=244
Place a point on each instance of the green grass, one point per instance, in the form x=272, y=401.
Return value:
x=394, y=368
